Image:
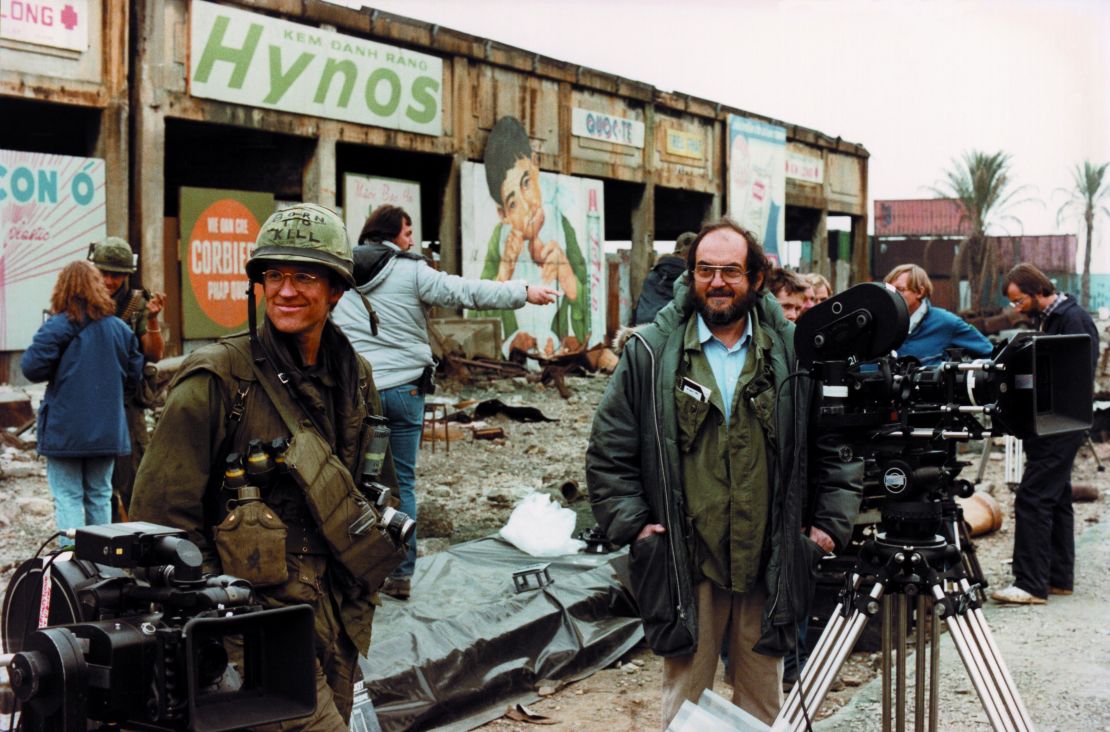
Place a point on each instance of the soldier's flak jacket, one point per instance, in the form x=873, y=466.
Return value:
x=254, y=386
x=180, y=481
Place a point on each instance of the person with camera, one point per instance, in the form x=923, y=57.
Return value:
x=933, y=330
x=698, y=459
x=401, y=287
x=140, y=309
x=91, y=362
x=295, y=385
x=1044, y=521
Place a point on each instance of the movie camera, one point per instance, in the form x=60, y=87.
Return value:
x=906, y=420
x=127, y=630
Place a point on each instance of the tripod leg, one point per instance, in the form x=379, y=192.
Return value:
x=824, y=656
x=888, y=621
x=900, y=641
x=919, y=672
x=981, y=632
x=974, y=664
x=934, y=666
x=815, y=680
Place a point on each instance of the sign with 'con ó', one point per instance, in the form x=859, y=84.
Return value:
x=251, y=59
x=51, y=209
x=218, y=231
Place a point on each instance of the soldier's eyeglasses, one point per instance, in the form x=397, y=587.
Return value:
x=275, y=280
x=730, y=273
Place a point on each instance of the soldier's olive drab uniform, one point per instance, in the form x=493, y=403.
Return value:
x=179, y=483
x=131, y=308
x=217, y=404
x=114, y=255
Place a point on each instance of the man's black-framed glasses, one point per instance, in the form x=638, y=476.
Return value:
x=730, y=273
x=275, y=279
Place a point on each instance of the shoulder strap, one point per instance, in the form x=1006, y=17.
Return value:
x=263, y=377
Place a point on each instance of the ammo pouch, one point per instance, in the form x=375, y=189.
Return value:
x=251, y=544
x=336, y=504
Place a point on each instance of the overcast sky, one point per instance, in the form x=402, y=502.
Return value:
x=916, y=82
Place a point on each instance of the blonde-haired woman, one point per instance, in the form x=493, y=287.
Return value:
x=90, y=359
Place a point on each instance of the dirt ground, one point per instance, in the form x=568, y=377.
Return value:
x=468, y=488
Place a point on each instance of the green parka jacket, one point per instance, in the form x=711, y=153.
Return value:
x=633, y=470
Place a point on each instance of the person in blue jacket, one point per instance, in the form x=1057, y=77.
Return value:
x=91, y=359
x=932, y=329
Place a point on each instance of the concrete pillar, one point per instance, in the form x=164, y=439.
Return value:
x=147, y=221
x=111, y=145
x=450, y=220
x=320, y=179
x=148, y=149
x=861, y=251
x=643, y=215
x=112, y=137
x=713, y=211
x=643, y=239
x=820, y=246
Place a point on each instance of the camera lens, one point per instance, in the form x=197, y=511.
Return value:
x=398, y=525
x=211, y=662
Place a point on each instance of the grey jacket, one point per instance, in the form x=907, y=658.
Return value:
x=400, y=292
x=633, y=470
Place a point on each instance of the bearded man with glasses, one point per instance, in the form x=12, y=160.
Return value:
x=698, y=460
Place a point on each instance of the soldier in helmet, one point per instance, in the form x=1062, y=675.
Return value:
x=139, y=309
x=292, y=377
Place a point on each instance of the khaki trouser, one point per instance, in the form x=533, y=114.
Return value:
x=756, y=679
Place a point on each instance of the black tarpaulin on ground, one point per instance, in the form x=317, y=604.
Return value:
x=466, y=645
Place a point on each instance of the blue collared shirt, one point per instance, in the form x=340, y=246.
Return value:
x=727, y=363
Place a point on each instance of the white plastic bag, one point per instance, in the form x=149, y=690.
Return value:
x=541, y=527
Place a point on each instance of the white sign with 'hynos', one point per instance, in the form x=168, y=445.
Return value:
x=251, y=59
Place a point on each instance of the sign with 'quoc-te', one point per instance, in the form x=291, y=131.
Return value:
x=246, y=58
x=218, y=231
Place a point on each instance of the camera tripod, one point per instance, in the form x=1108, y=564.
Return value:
x=930, y=573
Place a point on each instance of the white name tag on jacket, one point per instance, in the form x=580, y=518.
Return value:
x=696, y=390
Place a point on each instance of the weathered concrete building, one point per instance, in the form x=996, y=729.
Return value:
x=301, y=99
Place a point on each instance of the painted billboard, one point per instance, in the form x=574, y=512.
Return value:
x=364, y=193
x=51, y=209
x=757, y=179
x=559, y=244
x=218, y=231
x=252, y=59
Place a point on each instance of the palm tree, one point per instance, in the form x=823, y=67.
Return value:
x=1092, y=187
x=980, y=183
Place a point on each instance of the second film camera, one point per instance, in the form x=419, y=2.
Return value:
x=126, y=630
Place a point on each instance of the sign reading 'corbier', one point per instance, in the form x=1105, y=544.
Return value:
x=246, y=58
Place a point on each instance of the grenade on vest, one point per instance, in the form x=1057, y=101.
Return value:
x=397, y=525
x=236, y=479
